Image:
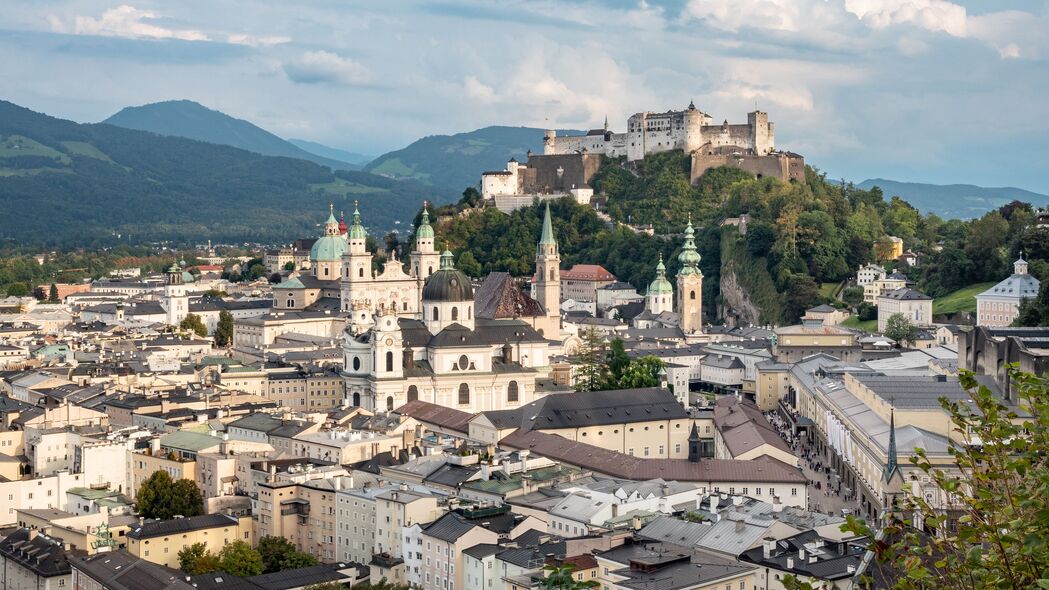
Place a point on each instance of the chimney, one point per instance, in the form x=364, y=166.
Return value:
x=801, y=554
x=740, y=526
x=851, y=569
x=768, y=544
x=508, y=353
x=737, y=500
x=790, y=563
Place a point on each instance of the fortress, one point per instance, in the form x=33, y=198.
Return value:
x=750, y=146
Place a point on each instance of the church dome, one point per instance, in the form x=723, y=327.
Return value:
x=660, y=285
x=187, y=277
x=424, y=230
x=448, y=283
x=328, y=248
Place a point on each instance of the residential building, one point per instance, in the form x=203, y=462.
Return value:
x=29, y=559
x=999, y=306
x=159, y=541
x=913, y=305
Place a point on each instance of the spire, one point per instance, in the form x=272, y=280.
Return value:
x=424, y=230
x=689, y=257
x=606, y=122
x=693, y=444
x=891, y=464
x=356, y=230
x=661, y=269
x=342, y=222
x=447, y=260
x=548, y=229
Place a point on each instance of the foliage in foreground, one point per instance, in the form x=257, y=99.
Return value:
x=605, y=365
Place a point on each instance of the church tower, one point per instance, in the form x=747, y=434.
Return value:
x=690, y=284
x=660, y=295
x=548, y=270
x=387, y=345
x=176, y=301
x=425, y=260
x=357, y=261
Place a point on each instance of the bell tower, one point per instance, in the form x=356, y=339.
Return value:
x=387, y=345
x=175, y=299
x=690, y=284
x=425, y=260
x=356, y=262
x=548, y=270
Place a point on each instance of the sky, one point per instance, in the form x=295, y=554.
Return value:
x=914, y=90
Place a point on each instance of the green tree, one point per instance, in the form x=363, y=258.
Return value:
x=802, y=292
x=289, y=266
x=193, y=323
x=52, y=294
x=196, y=559
x=162, y=498
x=993, y=535
x=592, y=373
x=239, y=559
x=641, y=372
x=279, y=554
x=17, y=290
x=853, y=295
x=468, y=264
x=224, y=329
x=562, y=577
x=900, y=329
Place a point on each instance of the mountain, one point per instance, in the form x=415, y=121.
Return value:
x=64, y=183
x=324, y=151
x=185, y=118
x=963, y=201
x=457, y=161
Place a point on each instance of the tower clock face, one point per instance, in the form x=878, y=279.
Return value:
x=389, y=342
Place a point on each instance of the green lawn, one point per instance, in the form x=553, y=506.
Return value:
x=18, y=145
x=963, y=299
x=828, y=289
x=344, y=188
x=856, y=324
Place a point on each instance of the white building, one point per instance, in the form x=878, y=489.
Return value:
x=1000, y=305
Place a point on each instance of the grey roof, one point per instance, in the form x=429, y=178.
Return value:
x=159, y=528
x=669, y=567
x=449, y=527
x=119, y=571
x=305, y=576
x=822, y=308
x=907, y=294
x=722, y=362
x=1017, y=285
x=825, y=559
x=38, y=553
x=591, y=408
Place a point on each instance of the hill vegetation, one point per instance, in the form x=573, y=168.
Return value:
x=458, y=160
x=798, y=237
x=192, y=120
x=962, y=201
x=63, y=183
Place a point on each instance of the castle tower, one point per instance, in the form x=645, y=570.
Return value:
x=694, y=119
x=660, y=295
x=762, y=132
x=690, y=284
x=176, y=302
x=548, y=270
x=549, y=142
x=424, y=259
x=387, y=345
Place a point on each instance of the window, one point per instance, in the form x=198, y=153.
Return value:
x=360, y=272
x=389, y=360
x=356, y=363
x=455, y=313
x=692, y=295
x=464, y=361
x=413, y=393
x=646, y=451
x=436, y=314
x=464, y=394
x=389, y=404
x=512, y=392
x=793, y=491
x=660, y=449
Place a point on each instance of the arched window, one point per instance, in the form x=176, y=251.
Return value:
x=356, y=364
x=389, y=360
x=512, y=392
x=551, y=274
x=464, y=394
x=436, y=315
x=356, y=399
x=691, y=294
x=389, y=404
x=455, y=313
x=429, y=270
x=291, y=303
x=413, y=393
x=360, y=272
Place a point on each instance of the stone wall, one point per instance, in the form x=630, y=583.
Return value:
x=783, y=165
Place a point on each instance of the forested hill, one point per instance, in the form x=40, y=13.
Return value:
x=67, y=184
x=458, y=160
x=802, y=239
x=963, y=201
x=185, y=118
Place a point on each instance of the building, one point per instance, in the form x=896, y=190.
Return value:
x=869, y=273
x=159, y=541
x=543, y=178
x=118, y=570
x=875, y=289
x=654, y=564
x=999, y=306
x=743, y=433
x=690, y=285
x=33, y=560
x=581, y=282
x=913, y=305
x=988, y=351
x=889, y=247
x=793, y=343
x=826, y=314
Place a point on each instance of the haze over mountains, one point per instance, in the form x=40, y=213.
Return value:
x=962, y=201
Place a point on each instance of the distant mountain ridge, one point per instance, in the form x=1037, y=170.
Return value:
x=961, y=201
x=457, y=161
x=330, y=152
x=68, y=184
x=192, y=120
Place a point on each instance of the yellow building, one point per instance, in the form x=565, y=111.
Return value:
x=140, y=466
x=159, y=541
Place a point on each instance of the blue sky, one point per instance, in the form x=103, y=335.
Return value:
x=920, y=90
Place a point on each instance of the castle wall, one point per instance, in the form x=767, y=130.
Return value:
x=576, y=170
x=498, y=183
x=782, y=166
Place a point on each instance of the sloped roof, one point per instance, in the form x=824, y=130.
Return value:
x=499, y=297
x=591, y=408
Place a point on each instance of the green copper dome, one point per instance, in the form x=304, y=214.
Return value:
x=688, y=257
x=448, y=283
x=424, y=230
x=327, y=249
x=356, y=231
x=660, y=285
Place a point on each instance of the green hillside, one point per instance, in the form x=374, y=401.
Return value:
x=963, y=299
x=457, y=161
x=185, y=118
x=330, y=152
x=950, y=201
x=63, y=183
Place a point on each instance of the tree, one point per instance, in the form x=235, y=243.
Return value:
x=279, y=554
x=641, y=372
x=17, y=290
x=560, y=577
x=196, y=559
x=802, y=292
x=274, y=278
x=52, y=294
x=239, y=559
x=289, y=266
x=592, y=373
x=993, y=533
x=853, y=295
x=224, y=329
x=468, y=264
x=900, y=329
x=162, y=498
x=193, y=323
x=866, y=311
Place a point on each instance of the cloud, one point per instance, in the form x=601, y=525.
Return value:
x=478, y=90
x=252, y=41
x=931, y=15
x=325, y=67
x=125, y=21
